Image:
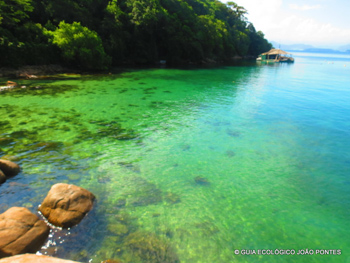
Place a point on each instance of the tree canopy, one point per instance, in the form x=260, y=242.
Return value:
x=94, y=34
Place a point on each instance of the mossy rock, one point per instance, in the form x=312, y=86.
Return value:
x=150, y=248
x=233, y=133
x=230, y=153
x=201, y=180
x=21, y=134
x=5, y=141
x=146, y=193
x=9, y=157
x=172, y=198
x=130, y=166
x=73, y=176
x=124, y=136
x=120, y=203
x=207, y=228
x=5, y=125
x=48, y=89
x=48, y=146
x=118, y=229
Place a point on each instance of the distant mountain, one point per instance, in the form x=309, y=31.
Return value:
x=309, y=48
x=321, y=50
x=345, y=48
x=298, y=47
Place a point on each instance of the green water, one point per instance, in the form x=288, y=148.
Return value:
x=189, y=165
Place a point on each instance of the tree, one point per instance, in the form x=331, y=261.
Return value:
x=80, y=45
x=14, y=11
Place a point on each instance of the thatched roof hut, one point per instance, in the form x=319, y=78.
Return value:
x=276, y=51
x=275, y=55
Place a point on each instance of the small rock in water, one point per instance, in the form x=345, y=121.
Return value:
x=21, y=232
x=120, y=203
x=201, y=180
x=185, y=147
x=155, y=214
x=147, y=247
x=172, y=198
x=130, y=166
x=6, y=141
x=66, y=205
x=9, y=168
x=230, y=153
x=233, y=133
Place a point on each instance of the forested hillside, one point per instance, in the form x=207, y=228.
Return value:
x=97, y=34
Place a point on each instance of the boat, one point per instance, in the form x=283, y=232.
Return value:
x=275, y=56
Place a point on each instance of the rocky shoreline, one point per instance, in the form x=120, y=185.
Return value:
x=26, y=71
x=23, y=232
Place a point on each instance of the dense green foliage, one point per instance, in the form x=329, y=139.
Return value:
x=80, y=45
x=92, y=34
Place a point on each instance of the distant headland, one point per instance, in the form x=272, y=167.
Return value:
x=311, y=49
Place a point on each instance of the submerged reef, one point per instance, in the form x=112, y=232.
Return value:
x=201, y=180
x=151, y=249
x=145, y=193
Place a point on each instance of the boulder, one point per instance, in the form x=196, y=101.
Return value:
x=2, y=177
x=9, y=168
x=21, y=232
x=30, y=258
x=66, y=205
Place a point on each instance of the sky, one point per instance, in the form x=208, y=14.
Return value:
x=320, y=23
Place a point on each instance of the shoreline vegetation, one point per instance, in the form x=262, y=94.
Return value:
x=102, y=34
x=38, y=71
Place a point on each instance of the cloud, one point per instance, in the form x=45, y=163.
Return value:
x=304, y=7
x=297, y=29
x=291, y=23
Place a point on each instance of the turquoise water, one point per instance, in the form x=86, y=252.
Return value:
x=190, y=165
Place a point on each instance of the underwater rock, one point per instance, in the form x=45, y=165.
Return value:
x=201, y=180
x=172, y=198
x=150, y=248
x=124, y=136
x=120, y=203
x=146, y=193
x=2, y=177
x=9, y=168
x=208, y=228
x=185, y=147
x=130, y=166
x=5, y=124
x=10, y=157
x=118, y=229
x=111, y=261
x=66, y=205
x=233, y=133
x=230, y=153
x=6, y=141
x=21, y=232
x=156, y=214
x=47, y=146
x=21, y=134
x=30, y=258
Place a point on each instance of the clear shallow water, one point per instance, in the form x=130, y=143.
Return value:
x=190, y=165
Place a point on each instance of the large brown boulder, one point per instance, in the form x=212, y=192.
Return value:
x=30, y=258
x=66, y=205
x=9, y=168
x=21, y=232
